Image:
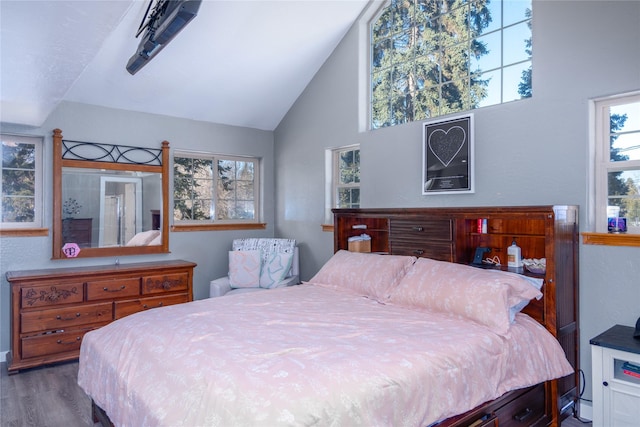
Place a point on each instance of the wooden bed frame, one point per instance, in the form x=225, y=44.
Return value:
x=452, y=234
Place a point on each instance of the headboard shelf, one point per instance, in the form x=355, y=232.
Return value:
x=452, y=234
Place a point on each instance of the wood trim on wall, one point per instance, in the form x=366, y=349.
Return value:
x=24, y=232
x=218, y=227
x=608, y=239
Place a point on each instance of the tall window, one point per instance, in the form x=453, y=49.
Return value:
x=21, y=186
x=346, y=167
x=211, y=188
x=436, y=57
x=617, y=161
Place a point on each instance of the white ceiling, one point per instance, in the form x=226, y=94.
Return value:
x=238, y=62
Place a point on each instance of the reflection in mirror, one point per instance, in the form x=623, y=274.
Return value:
x=105, y=208
x=109, y=200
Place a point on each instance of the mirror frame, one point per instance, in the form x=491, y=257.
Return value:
x=59, y=162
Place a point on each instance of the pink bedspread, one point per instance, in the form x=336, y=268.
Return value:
x=305, y=355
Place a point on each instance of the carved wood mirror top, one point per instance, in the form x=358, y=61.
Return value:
x=109, y=200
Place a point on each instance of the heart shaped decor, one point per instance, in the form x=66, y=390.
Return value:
x=446, y=145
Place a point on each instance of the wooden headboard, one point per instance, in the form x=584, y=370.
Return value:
x=453, y=234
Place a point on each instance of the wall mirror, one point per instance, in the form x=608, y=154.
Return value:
x=109, y=200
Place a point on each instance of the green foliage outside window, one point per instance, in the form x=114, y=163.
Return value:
x=18, y=181
x=623, y=190
x=208, y=189
x=348, y=182
x=235, y=190
x=436, y=57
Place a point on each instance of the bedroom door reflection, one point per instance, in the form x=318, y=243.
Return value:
x=120, y=206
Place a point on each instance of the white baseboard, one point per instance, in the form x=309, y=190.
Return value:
x=586, y=411
x=3, y=356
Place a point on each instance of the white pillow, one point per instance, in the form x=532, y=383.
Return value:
x=156, y=241
x=275, y=269
x=143, y=238
x=244, y=269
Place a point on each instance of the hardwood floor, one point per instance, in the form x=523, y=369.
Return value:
x=50, y=397
x=44, y=397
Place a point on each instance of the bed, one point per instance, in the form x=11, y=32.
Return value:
x=370, y=340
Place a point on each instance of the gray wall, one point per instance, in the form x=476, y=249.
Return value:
x=88, y=123
x=527, y=152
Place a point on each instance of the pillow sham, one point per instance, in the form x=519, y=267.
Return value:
x=275, y=269
x=366, y=274
x=536, y=283
x=484, y=296
x=266, y=246
x=244, y=269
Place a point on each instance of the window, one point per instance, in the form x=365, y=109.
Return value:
x=21, y=185
x=342, y=183
x=435, y=57
x=346, y=177
x=212, y=188
x=617, y=161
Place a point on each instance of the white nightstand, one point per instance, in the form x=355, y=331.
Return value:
x=615, y=357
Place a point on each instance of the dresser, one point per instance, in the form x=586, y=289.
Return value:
x=52, y=309
x=615, y=357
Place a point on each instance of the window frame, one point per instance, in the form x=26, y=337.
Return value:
x=600, y=166
x=337, y=185
x=35, y=227
x=332, y=174
x=500, y=69
x=603, y=163
x=227, y=224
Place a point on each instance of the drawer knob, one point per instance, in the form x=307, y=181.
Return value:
x=417, y=228
x=114, y=290
x=604, y=383
x=418, y=251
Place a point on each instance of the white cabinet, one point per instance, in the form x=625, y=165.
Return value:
x=615, y=356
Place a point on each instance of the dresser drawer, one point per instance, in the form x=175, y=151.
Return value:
x=125, y=308
x=524, y=411
x=51, y=294
x=165, y=283
x=113, y=288
x=54, y=343
x=63, y=318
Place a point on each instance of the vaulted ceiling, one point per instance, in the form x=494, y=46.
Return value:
x=240, y=62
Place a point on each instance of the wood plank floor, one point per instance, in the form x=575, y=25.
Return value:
x=50, y=397
x=44, y=397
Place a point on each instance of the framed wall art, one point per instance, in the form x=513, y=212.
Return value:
x=447, y=156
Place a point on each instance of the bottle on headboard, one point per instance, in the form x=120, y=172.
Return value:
x=514, y=255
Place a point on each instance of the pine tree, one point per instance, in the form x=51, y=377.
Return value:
x=411, y=82
x=616, y=185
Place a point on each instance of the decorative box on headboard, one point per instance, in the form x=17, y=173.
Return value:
x=454, y=234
